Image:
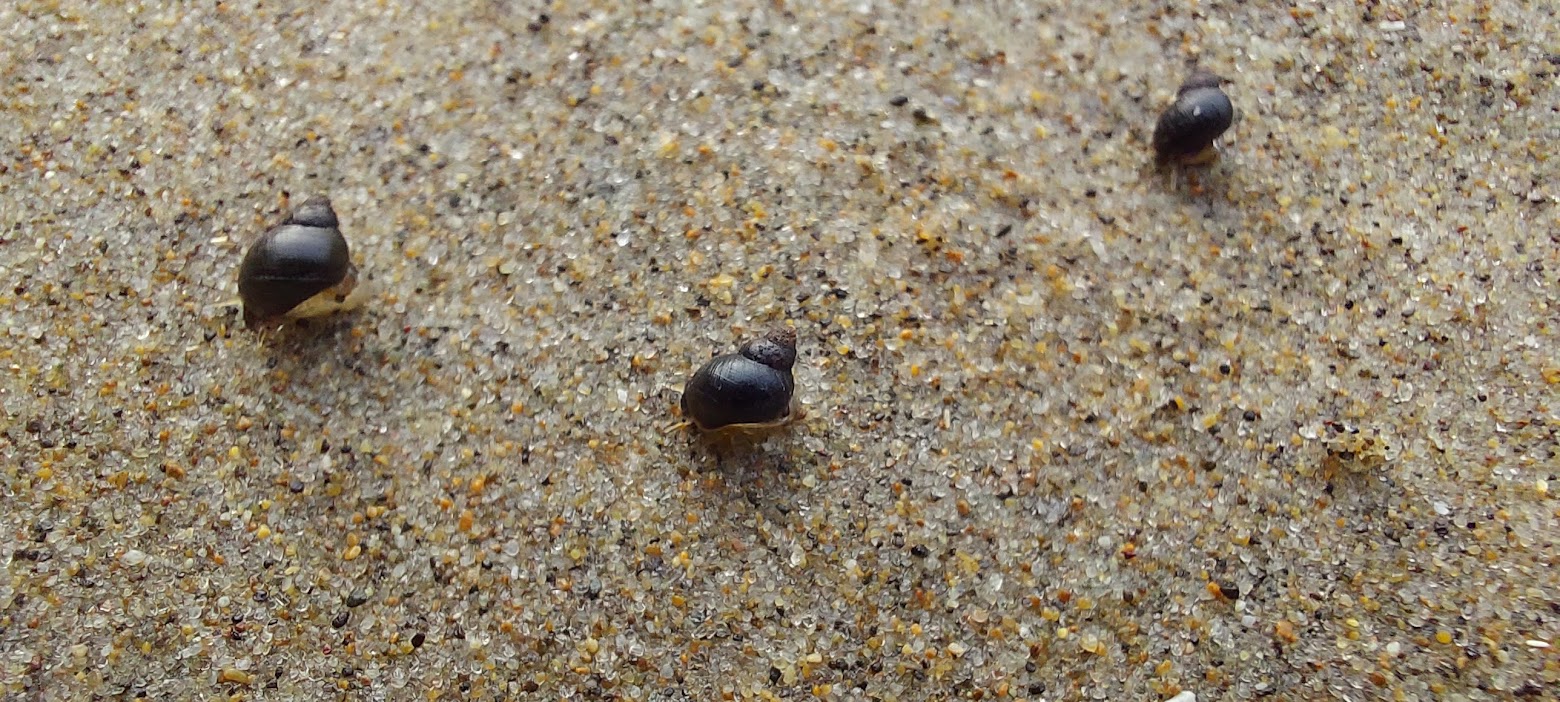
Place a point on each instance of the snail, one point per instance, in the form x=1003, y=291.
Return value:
x=747, y=390
x=1201, y=113
x=300, y=268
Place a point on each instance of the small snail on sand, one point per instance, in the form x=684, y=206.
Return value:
x=750, y=389
x=1201, y=113
x=300, y=268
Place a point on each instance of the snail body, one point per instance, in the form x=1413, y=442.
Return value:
x=1200, y=114
x=299, y=268
x=750, y=389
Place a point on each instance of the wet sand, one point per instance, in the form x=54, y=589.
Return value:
x=1078, y=428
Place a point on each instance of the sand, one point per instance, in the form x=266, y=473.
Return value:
x=1077, y=427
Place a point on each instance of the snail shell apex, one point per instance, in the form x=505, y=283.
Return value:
x=776, y=349
x=752, y=388
x=1200, y=114
x=304, y=258
x=315, y=212
x=1199, y=80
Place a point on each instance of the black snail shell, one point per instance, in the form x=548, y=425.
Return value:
x=1201, y=113
x=300, y=268
x=752, y=388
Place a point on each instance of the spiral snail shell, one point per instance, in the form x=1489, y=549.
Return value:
x=299, y=268
x=1200, y=114
x=750, y=389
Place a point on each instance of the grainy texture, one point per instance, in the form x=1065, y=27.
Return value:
x=1077, y=428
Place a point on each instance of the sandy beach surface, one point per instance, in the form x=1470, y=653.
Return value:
x=1078, y=427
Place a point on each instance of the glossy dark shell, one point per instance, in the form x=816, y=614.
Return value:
x=1201, y=113
x=753, y=386
x=293, y=262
